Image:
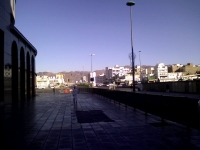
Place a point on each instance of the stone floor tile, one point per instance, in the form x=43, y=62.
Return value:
x=50, y=122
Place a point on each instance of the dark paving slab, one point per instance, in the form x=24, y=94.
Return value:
x=50, y=122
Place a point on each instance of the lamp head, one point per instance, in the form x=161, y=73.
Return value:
x=130, y=3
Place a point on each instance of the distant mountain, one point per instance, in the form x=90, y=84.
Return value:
x=98, y=72
x=49, y=74
x=72, y=75
x=77, y=75
x=145, y=66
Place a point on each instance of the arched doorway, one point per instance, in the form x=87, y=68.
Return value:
x=14, y=53
x=33, y=75
x=22, y=74
x=28, y=75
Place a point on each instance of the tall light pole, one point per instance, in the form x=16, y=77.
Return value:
x=91, y=65
x=140, y=65
x=131, y=3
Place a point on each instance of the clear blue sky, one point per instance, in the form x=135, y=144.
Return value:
x=66, y=32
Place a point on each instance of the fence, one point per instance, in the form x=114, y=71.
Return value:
x=181, y=87
x=183, y=110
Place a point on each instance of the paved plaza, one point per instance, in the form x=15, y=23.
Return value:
x=54, y=122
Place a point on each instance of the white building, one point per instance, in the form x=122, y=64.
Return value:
x=161, y=71
x=84, y=79
x=116, y=70
x=174, y=76
x=42, y=81
x=92, y=77
x=128, y=78
x=45, y=81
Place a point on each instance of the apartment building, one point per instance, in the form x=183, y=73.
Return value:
x=190, y=68
x=160, y=71
x=128, y=78
x=42, y=82
x=175, y=68
x=100, y=78
x=46, y=81
x=116, y=70
x=174, y=76
x=187, y=69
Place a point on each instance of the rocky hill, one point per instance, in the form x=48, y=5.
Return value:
x=72, y=75
x=77, y=75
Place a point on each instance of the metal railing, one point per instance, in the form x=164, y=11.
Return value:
x=183, y=110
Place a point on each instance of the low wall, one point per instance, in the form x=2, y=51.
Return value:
x=182, y=86
x=183, y=110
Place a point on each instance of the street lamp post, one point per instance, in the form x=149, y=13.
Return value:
x=140, y=65
x=91, y=66
x=130, y=3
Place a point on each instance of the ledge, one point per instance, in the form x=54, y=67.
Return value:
x=21, y=36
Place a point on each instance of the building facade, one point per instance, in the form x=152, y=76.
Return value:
x=92, y=78
x=190, y=69
x=116, y=70
x=17, y=62
x=42, y=82
x=147, y=74
x=160, y=71
x=50, y=82
x=174, y=76
x=175, y=68
x=100, y=79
